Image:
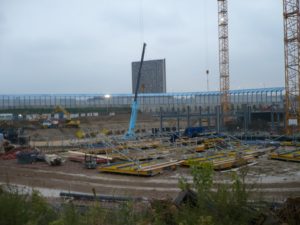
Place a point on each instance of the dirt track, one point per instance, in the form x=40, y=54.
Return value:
x=275, y=180
x=118, y=122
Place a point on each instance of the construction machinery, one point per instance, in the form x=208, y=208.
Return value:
x=291, y=16
x=65, y=118
x=90, y=162
x=134, y=107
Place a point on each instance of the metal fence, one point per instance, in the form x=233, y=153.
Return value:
x=148, y=102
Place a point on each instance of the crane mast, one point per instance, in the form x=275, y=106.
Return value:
x=223, y=55
x=291, y=18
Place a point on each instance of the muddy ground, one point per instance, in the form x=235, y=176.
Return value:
x=112, y=123
x=270, y=179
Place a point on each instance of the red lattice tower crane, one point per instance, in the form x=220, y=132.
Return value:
x=224, y=56
x=291, y=16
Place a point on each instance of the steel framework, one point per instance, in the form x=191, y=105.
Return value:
x=224, y=55
x=292, y=64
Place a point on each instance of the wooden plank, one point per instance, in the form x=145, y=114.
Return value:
x=161, y=165
x=83, y=154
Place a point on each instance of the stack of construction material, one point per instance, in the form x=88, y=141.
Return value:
x=76, y=156
x=221, y=161
x=27, y=156
x=53, y=159
x=292, y=155
x=8, y=155
x=104, y=198
x=145, y=168
x=12, y=153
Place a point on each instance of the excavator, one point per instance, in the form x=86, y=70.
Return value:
x=67, y=122
x=63, y=121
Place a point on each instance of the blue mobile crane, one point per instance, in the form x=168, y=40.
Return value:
x=135, y=106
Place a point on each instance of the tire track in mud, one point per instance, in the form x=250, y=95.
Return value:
x=120, y=185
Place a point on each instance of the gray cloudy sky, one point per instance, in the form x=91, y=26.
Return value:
x=86, y=46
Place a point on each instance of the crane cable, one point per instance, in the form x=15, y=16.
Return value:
x=141, y=21
x=206, y=52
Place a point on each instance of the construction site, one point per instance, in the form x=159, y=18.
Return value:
x=140, y=145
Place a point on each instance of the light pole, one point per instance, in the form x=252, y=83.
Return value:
x=107, y=97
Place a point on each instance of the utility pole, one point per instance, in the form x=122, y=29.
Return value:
x=291, y=18
x=224, y=55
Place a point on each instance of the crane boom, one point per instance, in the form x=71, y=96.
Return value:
x=134, y=107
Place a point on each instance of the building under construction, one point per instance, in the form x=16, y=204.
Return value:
x=154, y=76
x=226, y=129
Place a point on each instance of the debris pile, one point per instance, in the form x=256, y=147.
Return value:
x=290, y=211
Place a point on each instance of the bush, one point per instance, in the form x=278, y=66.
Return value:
x=19, y=208
x=221, y=204
x=227, y=204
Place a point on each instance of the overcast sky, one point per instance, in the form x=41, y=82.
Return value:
x=87, y=46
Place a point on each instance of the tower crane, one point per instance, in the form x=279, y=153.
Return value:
x=134, y=107
x=223, y=55
x=291, y=16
